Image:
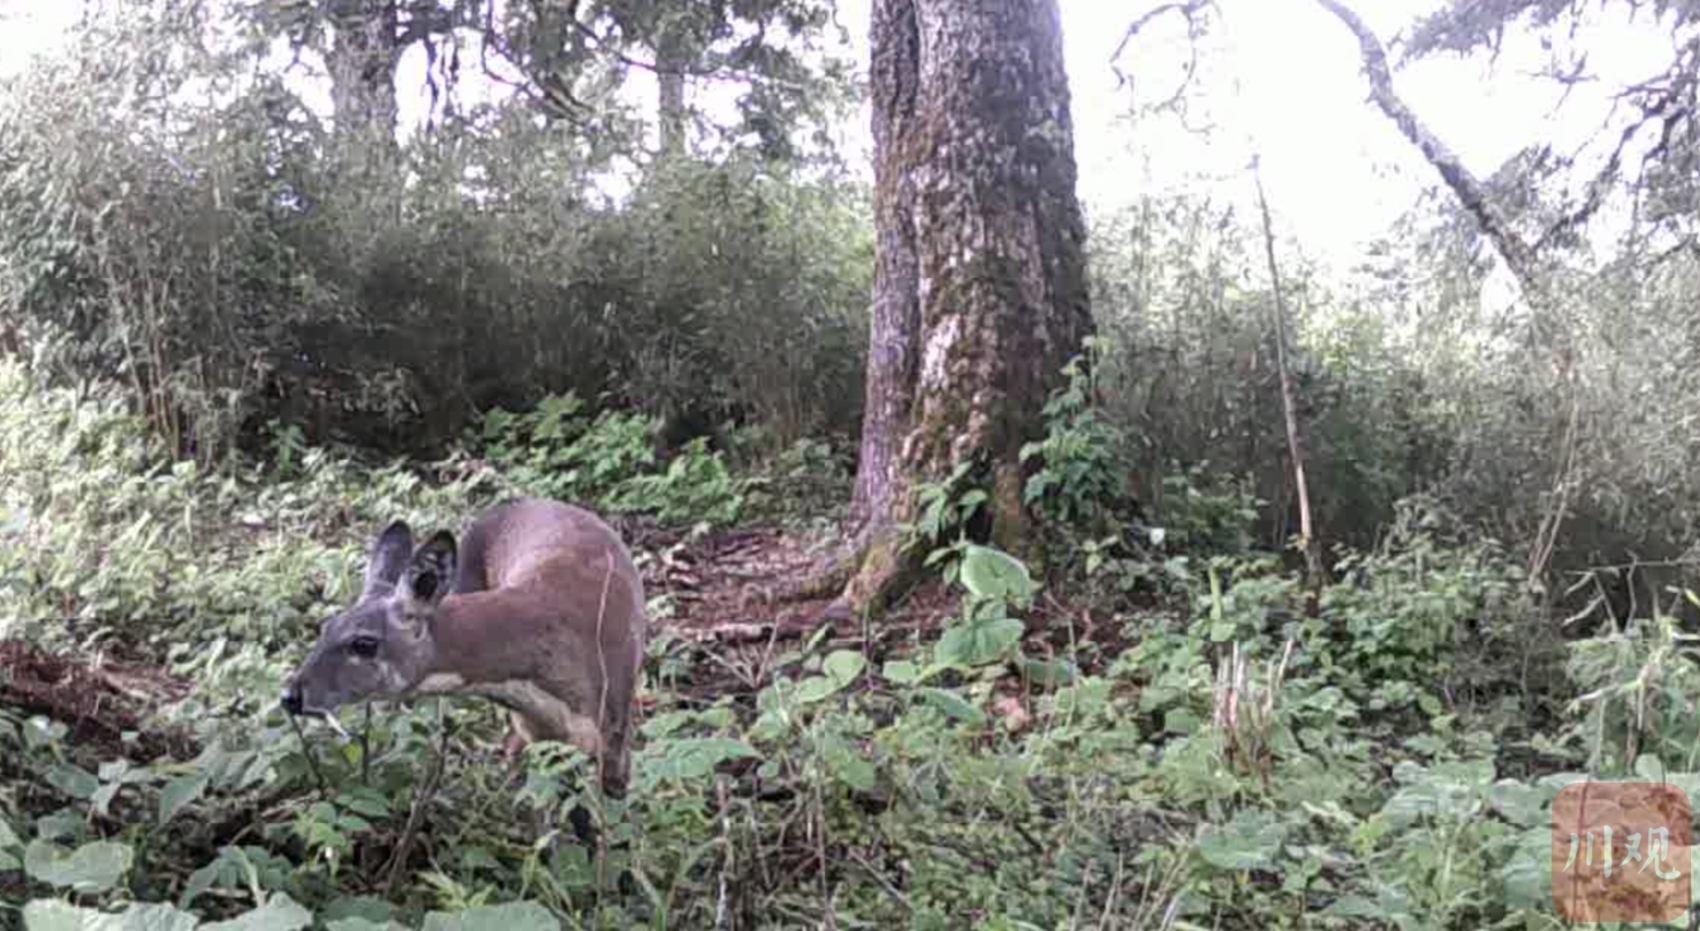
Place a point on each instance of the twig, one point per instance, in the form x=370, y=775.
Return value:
x=1115, y=891
x=312, y=758
x=1295, y=446
x=720, y=908
x=885, y=883
x=398, y=858
x=366, y=748
x=1469, y=190
x=1189, y=9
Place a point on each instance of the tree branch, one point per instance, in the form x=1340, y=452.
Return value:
x=1192, y=11
x=1546, y=328
x=1469, y=190
x=1315, y=574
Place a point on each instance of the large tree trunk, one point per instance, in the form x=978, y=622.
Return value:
x=362, y=62
x=894, y=347
x=980, y=286
x=672, y=57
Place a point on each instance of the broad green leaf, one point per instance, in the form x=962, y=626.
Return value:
x=1050, y=674
x=101, y=801
x=848, y=766
x=93, y=867
x=64, y=823
x=902, y=672
x=202, y=880
x=7, y=838
x=954, y=705
x=1248, y=842
x=696, y=757
x=74, y=781
x=1520, y=804
x=843, y=666
x=1084, y=699
x=1650, y=768
x=517, y=916
x=280, y=913
x=977, y=643
x=1472, y=775
x=1527, y=874
x=991, y=573
x=374, y=912
x=366, y=801
x=56, y=915
x=180, y=792
x=154, y=916
x=1410, y=803
x=1357, y=906
x=357, y=923
x=816, y=688
x=1180, y=721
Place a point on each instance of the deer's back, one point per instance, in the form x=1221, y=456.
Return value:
x=568, y=668
x=556, y=551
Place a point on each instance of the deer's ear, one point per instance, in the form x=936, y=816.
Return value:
x=431, y=573
x=387, y=558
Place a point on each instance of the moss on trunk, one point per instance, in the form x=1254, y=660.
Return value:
x=981, y=296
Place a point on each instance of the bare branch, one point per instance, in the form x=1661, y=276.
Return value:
x=1316, y=575
x=1469, y=190
x=553, y=98
x=711, y=70
x=1192, y=11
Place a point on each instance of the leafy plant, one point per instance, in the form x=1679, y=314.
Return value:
x=1082, y=472
x=609, y=462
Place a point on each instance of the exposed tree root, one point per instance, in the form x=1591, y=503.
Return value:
x=828, y=576
x=888, y=571
x=867, y=576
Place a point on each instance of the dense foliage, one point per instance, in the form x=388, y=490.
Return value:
x=1013, y=769
x=209, y=255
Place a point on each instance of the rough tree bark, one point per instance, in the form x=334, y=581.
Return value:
x=980, y=292
x=672, y=56
x=362, y=62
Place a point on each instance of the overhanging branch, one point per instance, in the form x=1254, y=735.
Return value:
x=1469, y=190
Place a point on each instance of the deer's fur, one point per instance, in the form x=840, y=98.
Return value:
x=538, y=607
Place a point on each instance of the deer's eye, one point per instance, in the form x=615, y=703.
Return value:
x=364, y=647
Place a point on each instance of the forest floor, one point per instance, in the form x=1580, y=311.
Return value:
x=722, y=586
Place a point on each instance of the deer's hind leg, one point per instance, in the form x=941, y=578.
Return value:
x=615, y=761
x=521, y=733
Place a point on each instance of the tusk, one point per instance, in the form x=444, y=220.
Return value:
x=337, y=726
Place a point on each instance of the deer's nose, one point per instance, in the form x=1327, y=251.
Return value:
x=291, y=699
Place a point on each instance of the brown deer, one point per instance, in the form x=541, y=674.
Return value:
x=539, y=608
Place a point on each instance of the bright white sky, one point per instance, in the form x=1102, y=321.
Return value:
x=1280, y=76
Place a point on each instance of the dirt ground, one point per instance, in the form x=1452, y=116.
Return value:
x=101, y=699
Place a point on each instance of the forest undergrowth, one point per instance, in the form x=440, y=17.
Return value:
x=1153, y=732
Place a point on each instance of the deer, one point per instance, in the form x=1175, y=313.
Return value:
x=538, y=608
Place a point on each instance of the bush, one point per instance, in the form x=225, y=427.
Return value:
x=215, y=260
